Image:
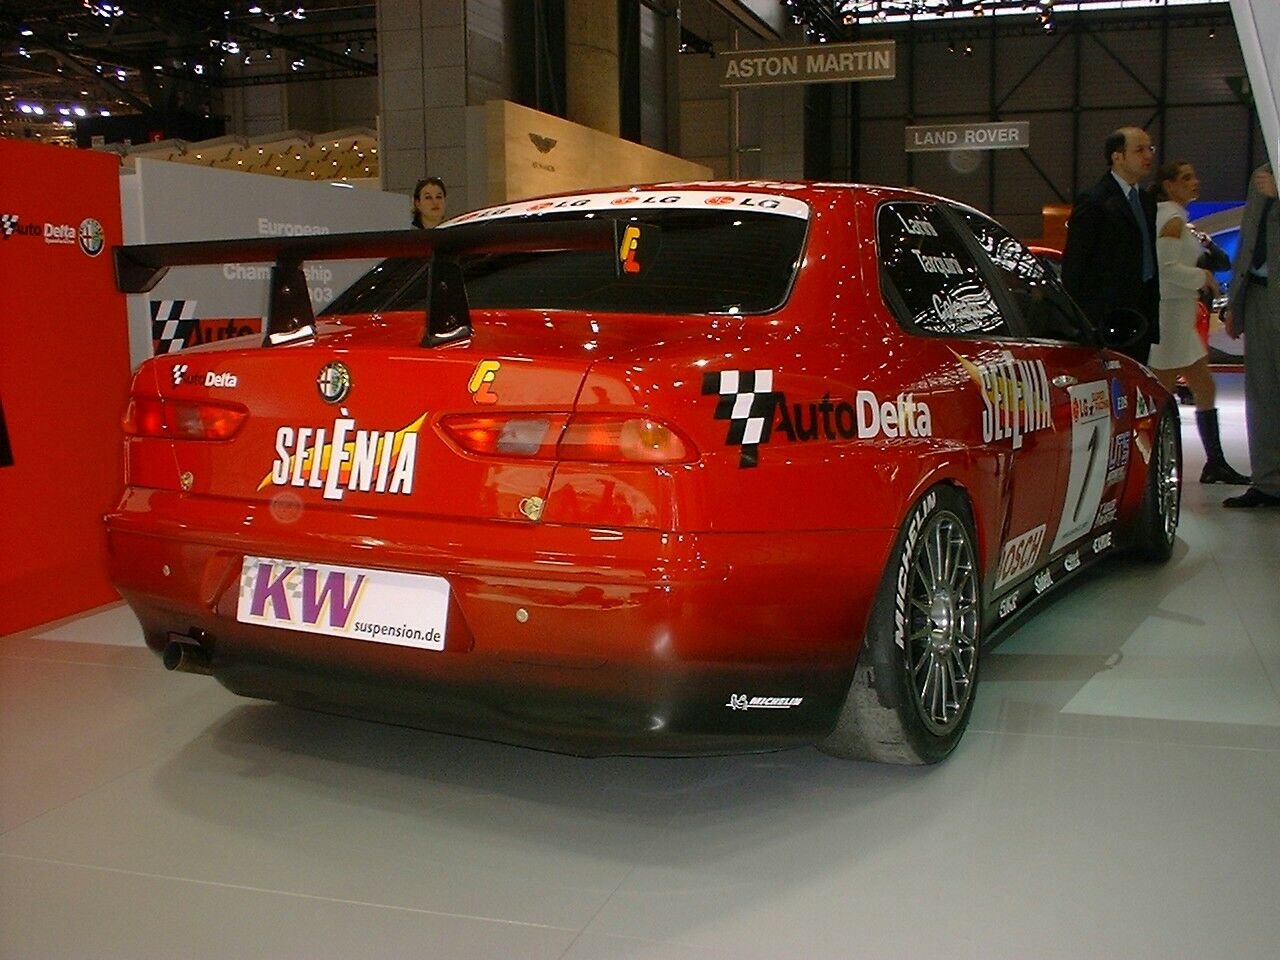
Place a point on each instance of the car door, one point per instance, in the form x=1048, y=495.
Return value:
x=992, y=387
x=1087, y=414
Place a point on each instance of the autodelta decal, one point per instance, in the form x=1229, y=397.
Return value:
x=755, y=411
x=379, y=605
x=345, y=457
x=657, y=199
x=1015, y=397
x=181, y=375
x=175, y=326
x=88, y=235
x=1019, y=555
x=480, y=386
x=1090, y=452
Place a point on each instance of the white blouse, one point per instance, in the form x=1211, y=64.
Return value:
x=1180, y=278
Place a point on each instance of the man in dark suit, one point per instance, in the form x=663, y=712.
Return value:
x=1110, y=260
x=1253, y=307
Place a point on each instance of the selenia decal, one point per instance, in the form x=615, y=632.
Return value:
x=755, y=411
x=1015, y=397
x=359, y=460
x=1090, y=447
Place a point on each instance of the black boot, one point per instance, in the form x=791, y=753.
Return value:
x=1216, y=468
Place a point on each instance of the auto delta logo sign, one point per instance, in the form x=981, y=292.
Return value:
x=89, y=235
x=755, y=411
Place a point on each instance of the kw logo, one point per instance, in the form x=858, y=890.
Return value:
x=627, y=253
x=482, y=381
x=275, y=585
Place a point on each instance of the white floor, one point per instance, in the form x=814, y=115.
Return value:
x=1116, y=796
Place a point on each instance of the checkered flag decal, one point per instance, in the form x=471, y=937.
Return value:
x=172, y=324
x=747, y=401
x=8, y=223
x=178, y=372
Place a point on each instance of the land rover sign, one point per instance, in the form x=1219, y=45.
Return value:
x=824, y=63
x=969, y=136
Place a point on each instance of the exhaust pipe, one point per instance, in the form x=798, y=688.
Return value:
x=187, y=657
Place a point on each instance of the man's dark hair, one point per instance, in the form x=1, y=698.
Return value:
x=1115, y=143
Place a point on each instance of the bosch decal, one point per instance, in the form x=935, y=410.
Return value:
x=346, y=458
x=1019, y=555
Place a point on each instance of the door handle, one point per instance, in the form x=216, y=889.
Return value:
x=1065, y=380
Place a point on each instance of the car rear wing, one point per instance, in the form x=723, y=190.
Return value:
x=289, y=314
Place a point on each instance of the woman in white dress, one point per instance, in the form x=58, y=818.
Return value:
x=1180, y=351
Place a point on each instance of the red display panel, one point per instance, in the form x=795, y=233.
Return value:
x=64, y=379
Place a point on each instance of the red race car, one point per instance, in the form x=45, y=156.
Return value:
x=676, y=469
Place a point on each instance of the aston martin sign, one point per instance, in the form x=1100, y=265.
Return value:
x=823, y=63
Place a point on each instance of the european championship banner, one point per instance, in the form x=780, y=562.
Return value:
x=64, y=379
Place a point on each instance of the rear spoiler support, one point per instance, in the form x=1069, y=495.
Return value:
x=290, y=318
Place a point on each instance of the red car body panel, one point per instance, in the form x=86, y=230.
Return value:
x=619, y=607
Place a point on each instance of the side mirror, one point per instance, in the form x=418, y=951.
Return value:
x=1121, y=329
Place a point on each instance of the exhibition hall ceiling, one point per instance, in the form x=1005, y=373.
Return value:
x=61, y=60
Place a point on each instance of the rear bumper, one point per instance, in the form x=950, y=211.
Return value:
x=629, y=641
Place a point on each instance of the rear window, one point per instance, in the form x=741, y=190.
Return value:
x=689, y=261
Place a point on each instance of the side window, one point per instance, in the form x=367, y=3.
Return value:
x=1047, y=311
x=930, y=279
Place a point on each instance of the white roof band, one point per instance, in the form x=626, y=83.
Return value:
x=643, y=200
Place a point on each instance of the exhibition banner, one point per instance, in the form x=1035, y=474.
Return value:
x=64, y=379
x=168, y=202
x=1015, y=135
x=825, y=63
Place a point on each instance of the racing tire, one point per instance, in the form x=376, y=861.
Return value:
x=1156, y=528
x=913, y=686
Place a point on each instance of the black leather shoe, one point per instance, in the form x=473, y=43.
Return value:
x=1223, y=473
x=1253, y=497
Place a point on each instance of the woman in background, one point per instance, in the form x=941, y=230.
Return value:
x=428, y=202
x=1180, y=351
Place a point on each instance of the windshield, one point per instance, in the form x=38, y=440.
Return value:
x=684, y=261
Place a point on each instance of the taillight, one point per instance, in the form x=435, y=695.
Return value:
x=182, y=419
x=592, y=438
x=532, y=436
x=601, y=438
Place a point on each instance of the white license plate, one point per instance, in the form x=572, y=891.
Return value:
x=405, y=609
